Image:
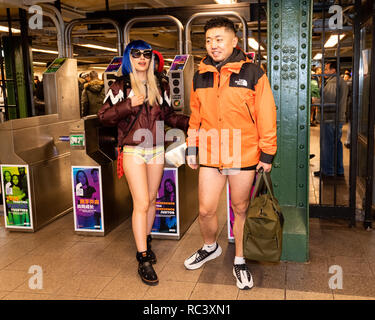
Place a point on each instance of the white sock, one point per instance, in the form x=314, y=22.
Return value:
x=209, y=247
x=239, y=260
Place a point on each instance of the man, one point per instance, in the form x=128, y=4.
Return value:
x=231, y=97
x=348, y=113
x=329, y=130
x=93, y=95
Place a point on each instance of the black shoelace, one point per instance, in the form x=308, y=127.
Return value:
x=241, y=267
x=202, y=254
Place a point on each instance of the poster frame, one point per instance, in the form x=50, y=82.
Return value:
x=177, y=234
x=31, y=227
x=101, y=200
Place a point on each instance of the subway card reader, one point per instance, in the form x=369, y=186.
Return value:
x=181, y=75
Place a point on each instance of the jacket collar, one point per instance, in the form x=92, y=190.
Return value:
x=233, y=63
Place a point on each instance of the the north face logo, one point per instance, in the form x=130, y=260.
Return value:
x=241, y=82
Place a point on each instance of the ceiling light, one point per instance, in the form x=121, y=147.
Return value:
x=254, y=44
x=333, y=40
x=93, y=46
x=44, y=51
x=39, y=63
x=225, y=1
x=102, y=68
x=318, y=56
x=6, y=29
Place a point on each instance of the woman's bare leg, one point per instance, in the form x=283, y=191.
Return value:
x=155, y=171
x=136, y=175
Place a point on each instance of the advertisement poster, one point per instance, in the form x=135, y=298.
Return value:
x=179, y=62
x=230, y=213
x=166, y=218
x=87, y=198
x=56, y=64
x=16, y=196
x=115, y=64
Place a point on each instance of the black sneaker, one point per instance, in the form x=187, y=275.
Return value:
x=243, y=276
x=199, y=258
x=146, y=270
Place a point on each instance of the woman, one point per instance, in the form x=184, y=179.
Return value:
x=85, y=218
x=18, y=195
x=8, y=192
x=138, y=101
x=83, y=189
x=8, y=182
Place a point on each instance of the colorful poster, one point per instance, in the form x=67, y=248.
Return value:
x=56, y=64
x=230, y=213
x=178, y=62
x=166, y=217
x=115, y=64
x=87, y=198
x=16, y=196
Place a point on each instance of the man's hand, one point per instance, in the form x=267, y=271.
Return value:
x=192, y=162
x=266, y=166
x=137, y=100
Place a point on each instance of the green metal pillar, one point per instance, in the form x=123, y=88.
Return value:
x=289, y=52
x=13, y=50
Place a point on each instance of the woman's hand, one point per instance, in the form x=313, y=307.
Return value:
x=137, y=100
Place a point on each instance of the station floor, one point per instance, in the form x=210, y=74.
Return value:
x=79, y=267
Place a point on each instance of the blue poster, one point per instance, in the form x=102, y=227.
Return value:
x=166, y=204
x=87, y=198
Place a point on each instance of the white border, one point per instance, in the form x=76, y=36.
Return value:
x=177, y=234
x=101, y=199
x=228, y=214
x=29, y=196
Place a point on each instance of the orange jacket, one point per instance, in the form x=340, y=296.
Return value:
x=233, y=114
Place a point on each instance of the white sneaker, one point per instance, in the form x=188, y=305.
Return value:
x=199, y=258
x=243, y=276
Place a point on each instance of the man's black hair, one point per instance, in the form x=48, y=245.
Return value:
x=332, y=65
x=220, y=22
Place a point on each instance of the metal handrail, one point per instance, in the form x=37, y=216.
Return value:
x=178, y=23
x=188, y=44
x=73, y=23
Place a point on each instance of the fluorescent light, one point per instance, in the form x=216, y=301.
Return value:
x=102, y=68
x=225, y=1
x=39, y=63
x=93, y=46
x=169, y=59
x=44, y=51
x=254, y=44
x=318, y=56
x=6, y=29
x=333, y=40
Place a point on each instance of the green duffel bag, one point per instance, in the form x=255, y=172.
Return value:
x=263, y=230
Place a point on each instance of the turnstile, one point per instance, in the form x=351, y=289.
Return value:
x=177, y=199
x=101, y=201
x=35, y=164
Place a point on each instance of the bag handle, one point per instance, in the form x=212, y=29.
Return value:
x=267, y=179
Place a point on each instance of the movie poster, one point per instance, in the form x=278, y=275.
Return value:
x=16, y=196
x=230, y=213
x=166, y=218
x=87, y=198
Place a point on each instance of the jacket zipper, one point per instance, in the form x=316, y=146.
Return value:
x=248, y=109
